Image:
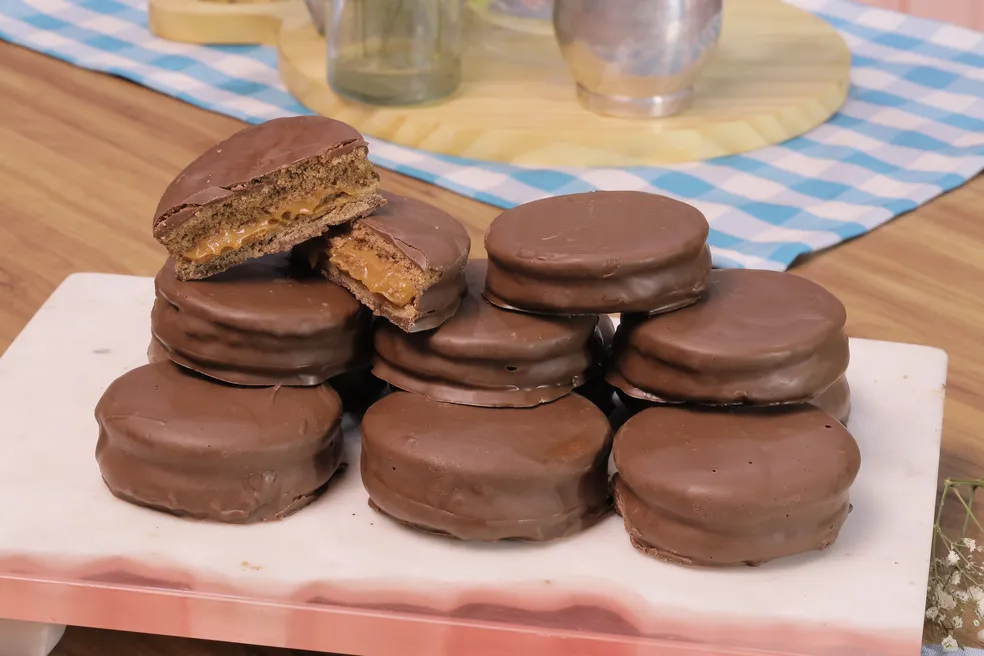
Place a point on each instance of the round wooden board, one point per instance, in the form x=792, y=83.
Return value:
x=216, y=22
x=778, y=72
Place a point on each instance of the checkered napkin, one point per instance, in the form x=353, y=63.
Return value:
x=912, y=128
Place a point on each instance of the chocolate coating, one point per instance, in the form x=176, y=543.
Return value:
x=178, y=442
x=835, y=400
x=261, y=323
x=250, y=154
x=758, y=337
x=727, y=487
x=487, y=356
x=487, y=473
x=433, y=240
x=599, y=252
x=358, y=388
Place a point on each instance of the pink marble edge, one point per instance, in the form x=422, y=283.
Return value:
x=104, y=593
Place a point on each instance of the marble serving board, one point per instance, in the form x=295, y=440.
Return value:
x=339, y=577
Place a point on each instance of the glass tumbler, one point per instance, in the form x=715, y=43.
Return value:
x=394, y=52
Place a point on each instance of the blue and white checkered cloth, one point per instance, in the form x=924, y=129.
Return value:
x=912, y=128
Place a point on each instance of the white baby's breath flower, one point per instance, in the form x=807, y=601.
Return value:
x=949, y=643
x=976, y=622
x=970, y=543
x=946, y=601
x=956, y=622
x=976, y=593
x=962, y=596
x=955, y=578
x=952, y=558
x=932, y=613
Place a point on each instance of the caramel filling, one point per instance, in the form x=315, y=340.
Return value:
x=375, y=273
x=231, y=239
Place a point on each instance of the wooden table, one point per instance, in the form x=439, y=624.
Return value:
x=84, y=158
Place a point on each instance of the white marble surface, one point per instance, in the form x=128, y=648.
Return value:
x=28, y=638
x=56, y=508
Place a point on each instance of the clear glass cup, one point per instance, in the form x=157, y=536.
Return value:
x=394, y=52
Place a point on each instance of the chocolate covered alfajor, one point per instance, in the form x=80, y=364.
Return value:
x=757, y=337
x=597, y=253
x=264, y=322
x=700, y=486
x=487, y=473
x=487, y=356
x=175, y=441
x=406, y=262
x=263, y=190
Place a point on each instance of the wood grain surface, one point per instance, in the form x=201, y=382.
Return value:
x=84, y=158
x=211, y=21
x=778, y=71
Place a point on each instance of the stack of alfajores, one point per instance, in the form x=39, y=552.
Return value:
x=282, y=253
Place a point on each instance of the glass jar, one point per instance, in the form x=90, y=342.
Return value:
x=394, y=52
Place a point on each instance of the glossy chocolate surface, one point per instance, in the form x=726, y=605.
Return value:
x=176, y=441
x=433, y=239
x=248, y=155
x=835, y=400
x=759, y=337
x=726, y=487
x=264, y=322
x=487, y=473
x=487, y=356
x=599, y=252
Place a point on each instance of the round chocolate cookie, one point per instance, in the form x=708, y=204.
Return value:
x=176, y=441
x=597, y=253
x=487, y=473
x=261, y=323
x=758, y=337
x=729, y=487
x=487, y=356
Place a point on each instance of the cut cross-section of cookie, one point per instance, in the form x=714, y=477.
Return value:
x=264, y=190
x=406, y=262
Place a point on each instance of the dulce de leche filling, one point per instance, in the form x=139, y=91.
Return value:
x=230, y=239
x=377, y=274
